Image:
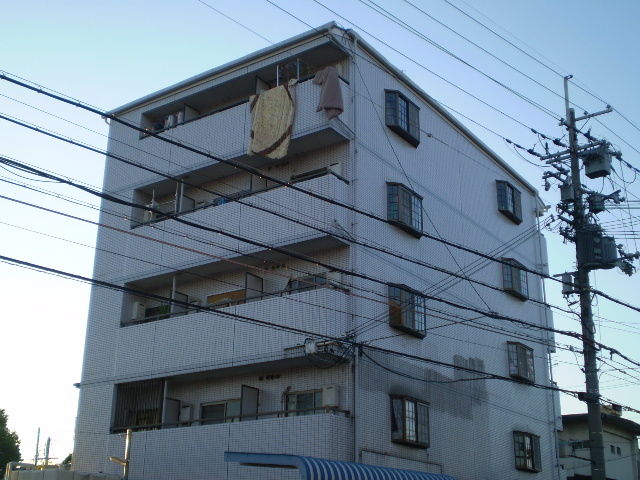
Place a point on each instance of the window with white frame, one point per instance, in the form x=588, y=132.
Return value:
x=224, y=411
x=402, y=116
x=521, y=361
x=404, y=208
x=409, y=421
x=514, y=278
x=509, y=201
x=308, y=282
x=303, y=403
x=407, y=310
x=527, y=451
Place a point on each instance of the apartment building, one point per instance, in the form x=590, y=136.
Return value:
x=620, y=438
x=254, y=310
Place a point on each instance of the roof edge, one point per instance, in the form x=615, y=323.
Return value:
x=625, y=423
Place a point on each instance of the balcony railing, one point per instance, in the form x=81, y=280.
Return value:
x=237, y=418
x=238, y=297
x=312, y=130
x=188, y=205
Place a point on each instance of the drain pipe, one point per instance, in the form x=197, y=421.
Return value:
x=357, y=451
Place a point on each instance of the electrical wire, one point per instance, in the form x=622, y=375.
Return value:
x=422, y=66
x=264, y=323
x=432, y=42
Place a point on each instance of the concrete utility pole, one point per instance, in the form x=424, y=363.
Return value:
x=35, y=458
x=594, y=249
x=592, y=397
x=46, y=451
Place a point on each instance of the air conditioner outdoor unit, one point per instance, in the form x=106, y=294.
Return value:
x=330, y=396
x=138, y=311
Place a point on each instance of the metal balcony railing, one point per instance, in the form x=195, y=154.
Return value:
x=237, y=418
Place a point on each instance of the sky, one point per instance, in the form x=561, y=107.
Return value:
x=109, y=53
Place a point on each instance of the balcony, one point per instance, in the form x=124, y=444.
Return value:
x=196, y=342
x=225, y=134
x=202, y=448
x=243, y=221
x=183, y=200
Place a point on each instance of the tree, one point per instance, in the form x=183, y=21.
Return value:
x=9, y=443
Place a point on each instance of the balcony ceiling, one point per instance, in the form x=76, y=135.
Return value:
x=258, y=258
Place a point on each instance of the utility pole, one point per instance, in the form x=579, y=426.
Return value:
x=35, y=458
x=46, y=451
x=592, y=398
x=578, y=208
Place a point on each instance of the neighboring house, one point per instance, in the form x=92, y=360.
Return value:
x=620, y=438
x=193, y=385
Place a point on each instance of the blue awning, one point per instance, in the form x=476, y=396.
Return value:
x=312, y=468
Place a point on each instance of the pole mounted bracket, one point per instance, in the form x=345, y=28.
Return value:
x=588, y=397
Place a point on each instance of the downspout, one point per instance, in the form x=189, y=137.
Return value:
x=357, y=453
x=552, y=393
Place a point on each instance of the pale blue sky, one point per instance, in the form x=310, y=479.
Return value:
x=109, y=53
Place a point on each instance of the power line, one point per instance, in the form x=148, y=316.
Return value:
x=287, y=297
x=267, y=324
x=234, y=21
x=521, y=50
x=545, y=65
x=430, y=41
x=287, y=184
x=251, y=170
x=424, y=67
x=140, y=129
x=347, y=238
x=281, y=250
x=493, y=315
x=377, y=319
x=450, y=243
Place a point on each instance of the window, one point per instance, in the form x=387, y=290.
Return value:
x=404, y=208
x=304, y=403
x=138, y=405
x=407, y=310
x=515, y=279
x=220, y=412
x=409, y=421
x=580, y=444
x=167, y=121
x=520, y=361
x=509, y=201
x=158, y=122
x=527, y=451
x=308, y=282
x=618, y=451
x=402, y=116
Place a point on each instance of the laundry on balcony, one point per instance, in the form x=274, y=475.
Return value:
x=272, y=114
x=331, y=93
